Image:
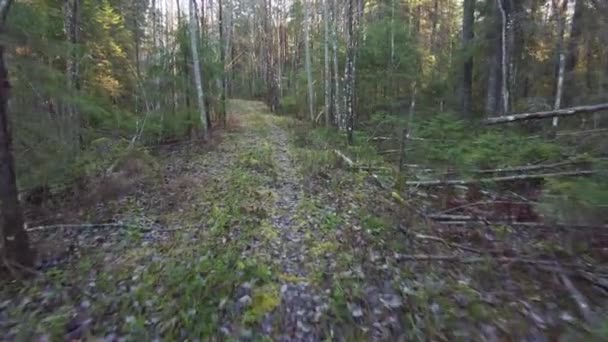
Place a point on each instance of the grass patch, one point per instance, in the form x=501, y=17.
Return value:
x=264, y=300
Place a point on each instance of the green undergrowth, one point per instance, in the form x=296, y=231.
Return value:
x=180, y=289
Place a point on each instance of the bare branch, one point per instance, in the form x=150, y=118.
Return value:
x=440, y=182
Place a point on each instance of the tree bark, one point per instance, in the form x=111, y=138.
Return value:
x=15, y=243
x=564, y=31
x=326, y=73
x=504, y=65
x=197, y=67
x=222, y=110
x=338, y=115
x=70, y=9
x=349, y=75
x=307, y=60
x=576, y=30
x=468, y=21
x=492, y=106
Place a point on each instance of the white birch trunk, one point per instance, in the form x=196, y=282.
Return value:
x=307, y=61
x=326, y=60
x=566, y=31
x=200, y=96
x=504, y=65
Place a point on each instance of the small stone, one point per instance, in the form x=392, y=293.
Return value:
x=356, y=311
x=245, y=300
x=303, y=327
x=391, y=301
x=85, y=304
x=567, y=317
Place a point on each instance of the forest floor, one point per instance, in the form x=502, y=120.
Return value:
x=261, y=235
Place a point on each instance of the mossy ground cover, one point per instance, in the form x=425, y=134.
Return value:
x=235, y=245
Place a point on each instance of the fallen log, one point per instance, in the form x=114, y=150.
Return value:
x=468, y=220
x=536, y=167
x=440, y=182
x=345, y=159
x=546, y=114
x=473, y=260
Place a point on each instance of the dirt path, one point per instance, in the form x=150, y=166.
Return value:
x=302, y=305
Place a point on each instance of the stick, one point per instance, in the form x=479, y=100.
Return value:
x=536, y=167
x=79, y=225
x=578, y=298
x=546, y=114
x=474, y=260
x=438, y=182
x=470, y=220
x=447, y=243
x=347, y=160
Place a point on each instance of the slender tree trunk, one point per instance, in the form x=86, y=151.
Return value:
x=492, y=106
x=197, y=67
x=468, y=21
x=349, y=77
x=408, y=130
x=564, y=36
x=334, y=47
x=504, y=57
x=70, y=8
x=222, y=111
x=307, y=57
x=574, y=40
x=326, y=74
x=15, y=247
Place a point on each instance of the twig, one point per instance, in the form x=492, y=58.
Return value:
x=471, y=220
x=447, y=243
x=78, y=226
x=474, y=260
x=439, y=182
x=578, y=297
x=475, y=204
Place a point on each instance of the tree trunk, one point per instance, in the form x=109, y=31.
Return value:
x=15, y=243
x=492, y=106
x=334, y=47
x=326, y=74
x=200, y=96
x=564, y=36
x=575, y=28
x=222, y=110
x=307, y=61
x=70, y=8
x=349, y=75
x=504, y=65
x=468, y=21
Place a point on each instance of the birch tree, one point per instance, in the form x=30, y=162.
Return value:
x=334, y=47
x=349, y=74
x=222, y=112
x=15, y=246
x=307, y=60
x=565, y=29
x=466, y=87
x=504, y=90
x=326, y=73
x=200, y=96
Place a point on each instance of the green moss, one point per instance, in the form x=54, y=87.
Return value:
x=323, y=248
x=264, y=300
